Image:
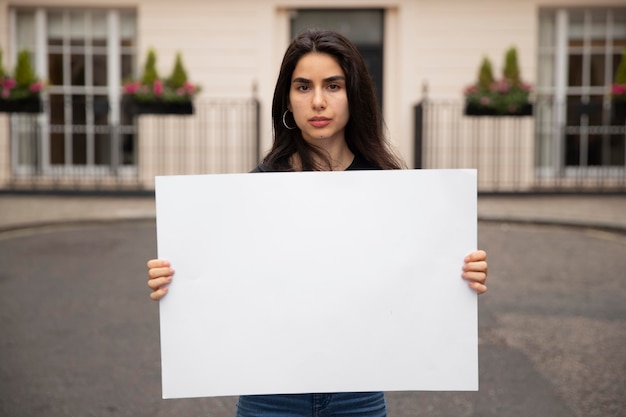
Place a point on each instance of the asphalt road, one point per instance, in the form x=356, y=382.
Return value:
x=79, y=335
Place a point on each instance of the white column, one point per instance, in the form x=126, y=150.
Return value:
x=560, y=93
x=113, y=71
x=41, y=71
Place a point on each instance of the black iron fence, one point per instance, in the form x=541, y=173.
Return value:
x=573, y=149
x=558, y=149
x=221, y=136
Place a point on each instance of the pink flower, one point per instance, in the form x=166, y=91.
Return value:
x=485, y=101
x=157, y=87
x=502, y=86
x=525, y=86
x=131, y=88
x=186, y=89
x=189, y=88
x=7, y=85
x=36, y=87
x=472, y=89
x=618, y=89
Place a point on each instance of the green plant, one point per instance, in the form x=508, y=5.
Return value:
x=618, y=90
x=24, y=73
x=511, y=68
x=480, y=94
x=485, y=74
x=2, y=71
x=23, y=84
x=151, y=88
x=506, y=96
x=150, y=74
x=179, y=74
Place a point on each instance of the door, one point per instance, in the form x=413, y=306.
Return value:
x=364, y=27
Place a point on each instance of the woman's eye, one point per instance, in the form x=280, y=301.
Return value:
x=303, y=88
x=334, y=86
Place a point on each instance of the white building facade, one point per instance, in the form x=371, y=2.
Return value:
x=416, y=49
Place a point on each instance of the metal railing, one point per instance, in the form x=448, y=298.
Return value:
x=221, y=136
x=511, y=154
x=531, y=154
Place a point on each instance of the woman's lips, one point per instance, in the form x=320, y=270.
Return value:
x=319, y=121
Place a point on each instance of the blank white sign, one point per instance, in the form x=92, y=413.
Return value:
x=317, y=282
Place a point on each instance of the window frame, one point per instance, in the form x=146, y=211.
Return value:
x=554, y=90
x=39, y=144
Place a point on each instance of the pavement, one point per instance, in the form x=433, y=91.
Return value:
x=20, y=211
x=80, y=337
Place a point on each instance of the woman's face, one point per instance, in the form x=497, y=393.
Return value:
x=318, y=99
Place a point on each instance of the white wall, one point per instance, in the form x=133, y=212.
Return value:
x=230, y=45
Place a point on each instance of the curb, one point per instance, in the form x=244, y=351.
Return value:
x=97, y=221
x=579, y=224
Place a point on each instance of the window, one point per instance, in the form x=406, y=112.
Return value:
x=579, y=52
x=84, y=55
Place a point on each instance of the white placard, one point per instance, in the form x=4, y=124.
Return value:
x=317, y=282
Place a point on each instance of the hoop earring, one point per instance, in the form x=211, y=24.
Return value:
x=285, y=122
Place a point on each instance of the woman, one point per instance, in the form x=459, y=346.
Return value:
x=325, y=118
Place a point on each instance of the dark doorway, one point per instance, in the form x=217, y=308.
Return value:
x=364, y=27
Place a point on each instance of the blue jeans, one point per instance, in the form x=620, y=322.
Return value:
x=354, y=404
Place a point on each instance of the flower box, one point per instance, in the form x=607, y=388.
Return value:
x=20, y=92
x=501, y=98
x=136, y=107
x=508, y=96
x=153, y=95
x=22, y=105
x=473, y=109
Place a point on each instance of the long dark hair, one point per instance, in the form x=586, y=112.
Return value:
x=364, y=131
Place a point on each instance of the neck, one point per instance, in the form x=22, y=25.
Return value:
x=342, y=160
x=339, y=156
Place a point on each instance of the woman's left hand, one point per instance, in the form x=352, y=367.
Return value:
x=475, y=271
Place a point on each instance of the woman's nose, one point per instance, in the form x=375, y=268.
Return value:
x=319, y=101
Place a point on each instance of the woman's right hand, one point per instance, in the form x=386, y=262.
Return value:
x=159, y=277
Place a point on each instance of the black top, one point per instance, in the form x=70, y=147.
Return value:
x=358, y=163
